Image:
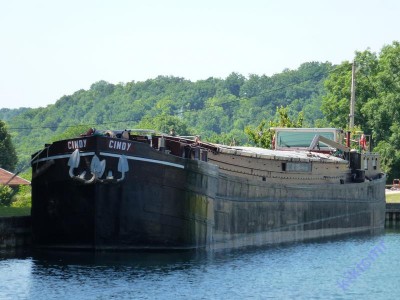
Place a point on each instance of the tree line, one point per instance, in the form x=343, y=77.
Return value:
x=217, y=109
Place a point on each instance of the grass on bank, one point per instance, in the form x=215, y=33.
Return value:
x=393, y=198
x=15, y=204
x=9, y=211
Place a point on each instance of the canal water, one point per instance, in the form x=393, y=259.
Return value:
x=358, y=267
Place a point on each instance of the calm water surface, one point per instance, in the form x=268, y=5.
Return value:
x=362, y=267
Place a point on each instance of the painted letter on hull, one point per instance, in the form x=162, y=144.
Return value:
x=76, y=144
x=119, y=145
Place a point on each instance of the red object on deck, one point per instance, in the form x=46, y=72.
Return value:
x=363, y=142
x=348, y=139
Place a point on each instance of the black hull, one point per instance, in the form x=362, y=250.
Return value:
x=167, y=202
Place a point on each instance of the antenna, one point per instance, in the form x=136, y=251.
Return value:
x=353, y=95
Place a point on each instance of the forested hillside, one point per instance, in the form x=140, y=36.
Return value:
x=217, y=109
x=220, y=109
x=8, y=114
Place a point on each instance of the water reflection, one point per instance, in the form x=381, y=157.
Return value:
x=303, y=270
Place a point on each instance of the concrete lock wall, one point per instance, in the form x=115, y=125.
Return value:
x=15, y=232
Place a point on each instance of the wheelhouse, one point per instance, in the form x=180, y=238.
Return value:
x=301, y=138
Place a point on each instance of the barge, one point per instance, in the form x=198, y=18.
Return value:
x=130, y=189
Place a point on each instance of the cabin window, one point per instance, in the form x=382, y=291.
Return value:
x=296, y=167
x=374, y=163
x=365, y=164
x=297, y=139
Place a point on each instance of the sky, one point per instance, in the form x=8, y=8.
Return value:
x=51, y=48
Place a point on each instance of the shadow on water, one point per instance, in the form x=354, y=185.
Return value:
x=143, y=260
x=304, y=270
x=169, y=261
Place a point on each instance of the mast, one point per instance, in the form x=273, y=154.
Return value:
x=353, y=96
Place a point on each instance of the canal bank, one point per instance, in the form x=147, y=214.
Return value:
x=392, y=212
x=392, y=208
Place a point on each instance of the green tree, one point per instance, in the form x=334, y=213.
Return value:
x=71, y=132
x=8, y=156
x=390, y=153
x=6, y=195
x=164, y=123
x=377, y=101
x=383, y=108
x=262, y=135
x=336, y=104
x=233, y=83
